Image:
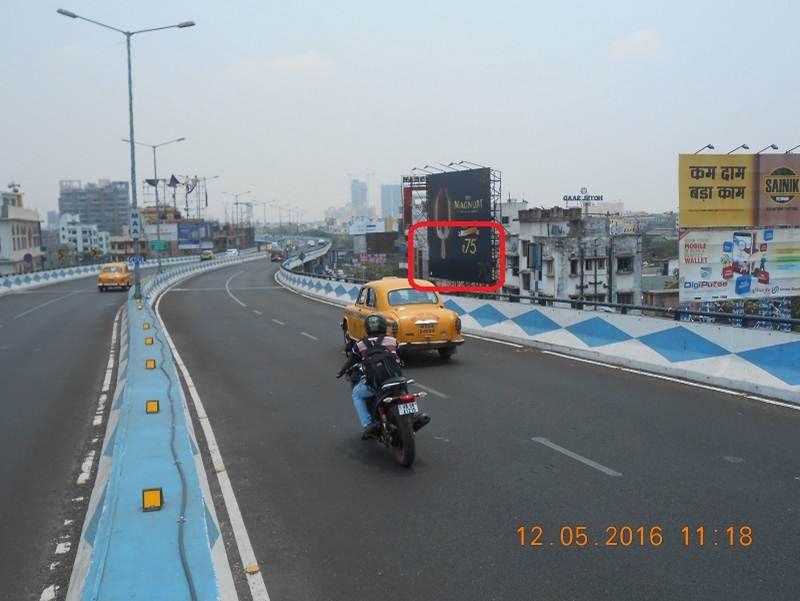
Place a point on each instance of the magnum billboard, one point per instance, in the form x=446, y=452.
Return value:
x=739, y=190
x=461, y=254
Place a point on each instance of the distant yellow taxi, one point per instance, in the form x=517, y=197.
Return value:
x=416, y=318
x=114, y=275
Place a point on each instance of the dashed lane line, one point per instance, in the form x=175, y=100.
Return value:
x=50, y=302
x=279, y=322
x=584, y=460
x=307, y=335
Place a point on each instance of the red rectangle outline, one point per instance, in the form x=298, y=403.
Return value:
x=491, y=288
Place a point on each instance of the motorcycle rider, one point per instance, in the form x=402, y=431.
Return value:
x=375, y=326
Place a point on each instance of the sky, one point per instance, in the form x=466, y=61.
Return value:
x=285, y=99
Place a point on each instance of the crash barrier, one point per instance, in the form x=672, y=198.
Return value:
x=175, y=552
x=308, y=256
x=53, y=276
x=762, y=362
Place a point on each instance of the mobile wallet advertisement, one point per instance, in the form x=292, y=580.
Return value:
x=456, y=253
x=739, y=263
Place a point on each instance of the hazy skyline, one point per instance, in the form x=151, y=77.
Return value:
x=287, y=99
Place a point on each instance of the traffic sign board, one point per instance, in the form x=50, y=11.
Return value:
x=136, y=224
x=158, y=244
x=137, y=259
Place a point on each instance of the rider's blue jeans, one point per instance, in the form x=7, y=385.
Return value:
x=361, y=394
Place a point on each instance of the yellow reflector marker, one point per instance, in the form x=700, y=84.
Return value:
x=151, y=406
x=152, y=499
x=149, y=363
x=148, y=341
x=145, y=326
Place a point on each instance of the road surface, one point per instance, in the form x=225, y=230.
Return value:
x=519, y=438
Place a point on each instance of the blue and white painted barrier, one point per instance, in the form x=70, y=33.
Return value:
x=125, y=552
x=27, y=281
x=755, y=361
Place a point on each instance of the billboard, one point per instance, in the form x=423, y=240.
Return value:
x=739, y=263
x=744, y=190
x=778, y=189
x=372, y=226
x=461, y=254
x=193, y=236
x=169, y=231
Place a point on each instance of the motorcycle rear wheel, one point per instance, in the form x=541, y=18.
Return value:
x=403, y=444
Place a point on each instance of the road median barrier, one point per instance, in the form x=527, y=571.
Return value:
x=151, y=530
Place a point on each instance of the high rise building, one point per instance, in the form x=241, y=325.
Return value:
x=52, y=220
x=391, y=201
x=105, y=203
x=358, y=198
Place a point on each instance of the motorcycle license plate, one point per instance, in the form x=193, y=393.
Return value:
x=407, y=408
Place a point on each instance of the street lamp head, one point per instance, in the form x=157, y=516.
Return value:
x=773, y=146
x=745, y=146
x=710, y=147
x=186, y=24
x=67, y=13
x=180, y=139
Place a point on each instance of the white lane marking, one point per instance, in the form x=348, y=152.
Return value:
x=54, y=565
x=49, y=594
x=279, y=322
x=228, y=288
x=77, y=499
x=67, y=522
x=221, y=289
x=97, y=420
x=86, y=468
x=431, y=390
x=62, y=548
x=585, y=460
x=257, y=312
x=732, y=459
x=442, y=439
x=503, y=342
x=743, y=395
x=255, y=580
x=50, y=302
x=307, y=335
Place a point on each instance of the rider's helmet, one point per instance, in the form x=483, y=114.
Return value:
x=375, y=325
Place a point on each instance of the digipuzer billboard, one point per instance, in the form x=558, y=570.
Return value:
x=739, y=263
x=462, y=254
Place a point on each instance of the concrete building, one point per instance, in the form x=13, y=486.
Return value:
x=509, y=218
x=52, y=221
x=580, y=259
x=104, y=203
x=83, y=237
x=20, y=236
x=392, y=201
x=358, y=198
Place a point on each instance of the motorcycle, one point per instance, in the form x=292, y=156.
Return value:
x=396, y=411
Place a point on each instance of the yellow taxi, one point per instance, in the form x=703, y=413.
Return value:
x=114, y=275
x=416, y=318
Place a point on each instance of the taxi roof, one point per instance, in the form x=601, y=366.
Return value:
x=394, y=283
x=114, y=264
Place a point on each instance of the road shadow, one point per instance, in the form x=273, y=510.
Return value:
x=375, y=456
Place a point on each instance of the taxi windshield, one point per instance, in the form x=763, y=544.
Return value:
x=409, y=296
x=112, y=269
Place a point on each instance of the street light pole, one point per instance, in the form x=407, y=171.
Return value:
x=770, y=147
x=709, y=146
x=154, y=147
x=128, y=35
